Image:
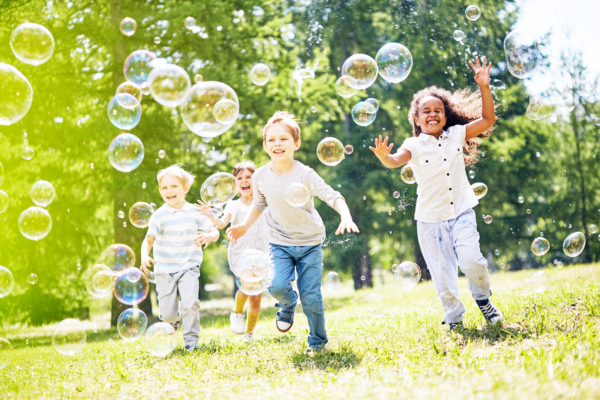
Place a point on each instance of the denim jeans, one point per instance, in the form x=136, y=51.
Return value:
x=308, y=261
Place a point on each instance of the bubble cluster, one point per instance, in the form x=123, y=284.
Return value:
x=99, y=280
x=140, y=213
x=331, y=281
x=32, y=279
x=4, y=201
x=197, y=109
x=118, y=257
x=480, y=189
x=538, y=282
x=226, y=111
x=160, y=339
x=330, y=151
x=128, y=26
x=394, y=62
x=373, y=305
x=297, y=195
x=132, y=324
x=522, y=53
x=364, y=113
x=42, y=193
x=169, y=84
x=540, y=246
x=574, y=244
x=458, y=35
x=345, y=86
x=407, y=174
x=362, y=68
x=126, y=152
x=6, y=353
x=35, y=223
x=17, y=94
x=137, y=67
x=473, y=13
x=130, y=88
x=449, y=301
x=260, y=74
x=131, y=293
x=407, y=274
x=32, y=43
x=69, y=337
x=124, y=111
x=7, y=281
x=218, y=189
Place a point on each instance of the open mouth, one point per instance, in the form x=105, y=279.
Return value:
x=433, y=122
x=171, y=197
x=245, y=188
x=278, y=151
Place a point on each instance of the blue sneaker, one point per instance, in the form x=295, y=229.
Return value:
x=312, y=350
x=284, y=320
x=490, y=312
x=454, y=326
x=190, y=348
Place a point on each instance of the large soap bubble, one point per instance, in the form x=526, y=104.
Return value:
x=128, y=26
x=363, y=113
x=17, y=94
x=35, y=223
x=140, y=213
x=118, y=257
x=331, y=281
x=540, y=246
x=6, y=353
x=345, y=86
x=130, y=88
x=254, y=271
x=160, y=339
x=132, y=324
x=407, y=274
x=373, y=305
x=131, y=293
x=32, y=43
x=330, y=151
x=137, y=67
x=124, y=111
x=542, y=107
x=407, y=174
x=169, y=84
x=574, y=244
x=538, y=282
x=198, y=106
x=480, y=189
x=99, y=280
x=394, y=62
x=472, y=13
x=260, y=74
x=126, y=152
x=522, y=53
x=297, y=195
x=226, y=111
x=69, y=337
x=7, y=281
x=362, y=68
x=218, y=189
x=42, y=193
x=3, y=201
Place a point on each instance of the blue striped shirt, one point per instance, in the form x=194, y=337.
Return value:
x=174, y=231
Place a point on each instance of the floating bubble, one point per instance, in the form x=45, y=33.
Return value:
x=540, y=246
x=349, y=149
x=68, y=337
x=32, y=279
x=27, y=153
x=218, y=189
x=35, y=223
x=502, y=266
x=394, y=62
x=197, y=108
x=128, y=26
x=473, y=13
x=574, y=244
x=189, y=23
x=480, y=189
x=471, y=174
x=497, y=252
x=157, y=40
x=297, y=195
x=7, y=282
x=140, y=213
x=124, y=111
x=6, y=353
x=169, y=84
x=99, y=280
x=559, y=265
x=396, y=195
x=129, y=88
x=373, y=305
x=364, y=113
x=593, y=228
x=121, y=214
x=542, y=107
x=458, y=35
x=260, y=74
x=522, y=53
x=17, y=94
x=449, y=301
x=538, y=282
x=42, y=193
x=407, y=174
x=254, y=271
x=313, y=109
x=126, y=152
x=528, y=211
x=408, y=274
x=497, y=84
x=32, y=43
x=137, y=68
x=345, y=86
x=133, y=275
x=225, y=243
x=160, y=339
x=131, y=293
x=330, y=151
x=373, y=102
x=488, y=219
x=3, y=201
x=362, y=68
x=226, y=111
x=132, y=324
x=151, y=277
x=118, y=257
x=521, y=199
x=197, y=78
x=331, y=281
x=161, y=154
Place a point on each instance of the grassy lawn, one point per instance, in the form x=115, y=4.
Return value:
x=548, y=347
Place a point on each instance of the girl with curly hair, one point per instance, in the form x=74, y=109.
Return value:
x=446, y=131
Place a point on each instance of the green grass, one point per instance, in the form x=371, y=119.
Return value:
x=548, y=347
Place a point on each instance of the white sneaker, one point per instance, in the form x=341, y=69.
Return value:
x=237, y=323
x=248, y=337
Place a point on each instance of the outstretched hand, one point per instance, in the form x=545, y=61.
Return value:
x=482, y=74
x=381, y=149
x=348, y=226
x=235, y=232
x=202, y=207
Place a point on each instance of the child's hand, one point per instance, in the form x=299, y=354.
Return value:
x=202, y=207
x=203, y=239
x=381, y=149
x=482, y=74
x=235, y=232
x=347, y=225
x=147, y=263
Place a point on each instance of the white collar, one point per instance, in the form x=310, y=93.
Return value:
x=186, y=207
x=424, y=136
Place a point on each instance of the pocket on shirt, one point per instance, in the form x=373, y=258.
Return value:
x=428, y=162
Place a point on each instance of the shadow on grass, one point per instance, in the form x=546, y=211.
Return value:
x=327, y=360
x=493, y=334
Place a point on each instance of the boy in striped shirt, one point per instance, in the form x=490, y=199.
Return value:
x=172, y=230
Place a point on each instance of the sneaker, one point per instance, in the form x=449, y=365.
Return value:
x=237, y=323
x=454, y=326
x=190, y=348
x=312, y=350
x=248, y=337
x=490, y=312
x=175, y=326
x=284, y=320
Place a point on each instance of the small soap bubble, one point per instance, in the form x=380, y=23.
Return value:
x=593, y=228
x=297, y=195
x=42, y=193
x=362, y=68
x=528, y=211
x=226, y=111
x=260, y=74
x=330, y=151
x=522, y=53
x=128, y=26
x=363, y=113
x=126, y=152
x=407, y=174
x=313, y=109
x=35, y=223
x=574, y=244
x=169, y=84
x=130, y=88
x=124, y=111
x=349, y=149
x=559, y=265
x=160, y=339
x=6, y=352
x=501, y=159
x=17, y=95
x=140, y=213
x=27, y=153
x=132, y=324
x=488, y=219
x=143, y=185
x=480, y=189
x=124, y=224
x=597, y=121
x=99, y=280
x=197, y=78
x=345, y=86
x=497, y=252
x=407, y=274
x=68, y=337
x=189, y=23
x=540, y=246
x=133, y=275
x=7, y=281
x=458, y=35
x=374, y=103
x=118, y=257
x=331, y=281
x=157, y=161
x=502, y=266
x=218, y=189
x=472, y=13
x=373, y=305
x=396, y=195
x=32, y=43
x=390, y=212
x=32, y=279
x=521, y=199
x=537, y=154
x=538, y=282
x=151, y=277
x=364, y=197
x=254, y=271
x=137, y=68
x=157, y=40
x=471, y=174
x=121, y=214
x=92, y=165
x=4, y=201
x=225, y=243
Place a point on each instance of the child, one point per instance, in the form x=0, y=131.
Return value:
x=295, y=233
x=235, y=212
x=446, y=224
x=173, y=228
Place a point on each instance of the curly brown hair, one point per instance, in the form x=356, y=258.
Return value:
x=461, y=107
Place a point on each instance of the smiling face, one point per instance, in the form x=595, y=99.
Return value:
x=279, y=143
x=431, y=116
x=173, y=191
x=243, y=183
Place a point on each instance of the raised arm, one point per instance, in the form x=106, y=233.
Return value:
x=488, y=113
x=220, y=223
x=382, y=151
x=237, y=231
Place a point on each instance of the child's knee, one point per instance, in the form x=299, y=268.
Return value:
x=312, y=302
x=190, y=305
x=279, y=289
x=254, y=300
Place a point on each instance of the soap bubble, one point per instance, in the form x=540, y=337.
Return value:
x=129, y=88
x=7, y=282
x=197, y=78
x=497, y=84
x=225, y=243
x=559, y=265
x=260, y=74
x=137, y=67
x=69, y=337
x=169, y=84
x=42, y=193
x=27, y=153
x=118, y=257
x=128, y=26
x=157, y=40
x=362, y=68
x=132, y=324
x=472, y=13
x=522, y=53
x=330, y=151
x=593, y=228
x=6, y=353
x=131, y=293
x=331, y=281
x=396, y=195
x=32, y=43
x=538, y=282
x=226, y=111
x=458, y=35
x=407, y=174
x=349, y=149
x=345, y=86
x=254, y=271
x=373, y=305
x=151, y=277
x=3, y=201
x=448, y=300
x=540, y=246
x=161, y=154
x=408, y=274
x=471, y=174
x=394, y=62
x=121, y=214
x=189, y=23
x=17, y=94
x=521, y=199
x=140, y=213
x=313, y=109
x=32, y=279
x=197, y=108
x=99, y=280
x=124, y=111
x=574, y=244
x=297, y=195
x=373, y=102
x=133, y=275
x=480, y=189
x=488, y=219
x=364, y=113
x=497, y=252
x=528, y=211
x=126, y=152
x=218, y=189
x=541, y=107
x=35, y=223
x=160, y=339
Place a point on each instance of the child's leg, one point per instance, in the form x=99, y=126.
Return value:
x=281, y=287
x=310, y=274
x=240, y=302
x=166, y=294
x=253, y=312
x=188, y=286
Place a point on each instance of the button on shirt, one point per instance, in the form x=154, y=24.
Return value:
x=444, y=191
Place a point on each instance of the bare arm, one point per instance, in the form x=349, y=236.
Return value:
x=146, y=260
x=382, y=151
x=206, y=238
x=237, y=231
x=219, y=223
x=346, y=224
x=488, y=113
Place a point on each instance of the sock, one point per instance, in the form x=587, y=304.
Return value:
x=239, y=304
x=252, y=320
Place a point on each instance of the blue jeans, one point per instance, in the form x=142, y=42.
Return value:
x=308, y=261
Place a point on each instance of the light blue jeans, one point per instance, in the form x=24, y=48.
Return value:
x=308, y=261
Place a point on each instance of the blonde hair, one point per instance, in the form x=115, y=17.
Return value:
x=287, y=120
x=246, y=164
x=175, y=170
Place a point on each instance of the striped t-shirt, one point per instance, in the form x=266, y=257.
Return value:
x=174, y=231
